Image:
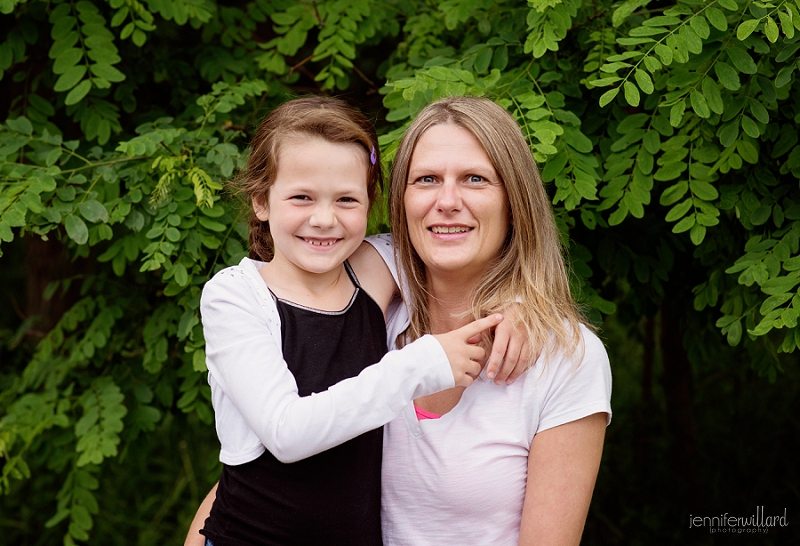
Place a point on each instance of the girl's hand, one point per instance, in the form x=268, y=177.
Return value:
x=511, y=352
x=465, y=356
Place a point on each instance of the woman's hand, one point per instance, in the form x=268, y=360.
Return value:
x=511, y=351
x=464, y=354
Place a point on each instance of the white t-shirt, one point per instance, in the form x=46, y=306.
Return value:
x=461, y=479
x=255, y=399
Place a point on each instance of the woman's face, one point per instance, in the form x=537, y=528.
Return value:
x=456, y=205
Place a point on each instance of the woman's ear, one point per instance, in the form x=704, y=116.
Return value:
x=260, y=208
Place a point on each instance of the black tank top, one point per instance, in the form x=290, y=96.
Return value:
x=332, y=498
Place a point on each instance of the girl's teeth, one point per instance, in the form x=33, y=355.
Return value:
x=321, y=243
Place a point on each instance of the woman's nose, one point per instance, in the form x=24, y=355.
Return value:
x=449, y=196
x=323, y=216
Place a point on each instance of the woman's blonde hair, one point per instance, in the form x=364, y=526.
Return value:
x=530, y=269
x=331, y=120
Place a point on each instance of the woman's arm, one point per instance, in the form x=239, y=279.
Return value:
x=562, y=469
x=511, y=354
x=193, y=537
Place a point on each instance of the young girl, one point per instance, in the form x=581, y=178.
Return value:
x=290, y=342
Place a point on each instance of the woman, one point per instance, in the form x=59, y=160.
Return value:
x=474, y=230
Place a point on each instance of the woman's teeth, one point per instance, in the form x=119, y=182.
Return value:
x=442, y=229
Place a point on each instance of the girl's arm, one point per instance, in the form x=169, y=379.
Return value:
x=562, y=469
x=254, y=388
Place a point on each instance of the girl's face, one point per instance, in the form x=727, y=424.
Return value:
x=456, y=205
x=317, y=208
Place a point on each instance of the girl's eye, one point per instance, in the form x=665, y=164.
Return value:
x=348, y=200
x=301, y=197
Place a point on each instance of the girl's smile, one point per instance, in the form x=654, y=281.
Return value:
x=317, y=209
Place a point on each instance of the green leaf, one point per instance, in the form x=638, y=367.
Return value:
x=81, y=517
x=608, y=96
x=700, y=26
x=76, y=229
x=199, y=361
x=674, y=193
x=670, y=171
x=697, y=233
x=735, y=333
x=652, y=141
x=760, y=215
x=139, y=37
x=618, y=215
x=758, y=110
x=747, y=151
x=77, y=94
x=665, y=53
x=20, y=125
x=779, y=285
x=786, y=24
x=703, y=190
x=699, y=104
x=746, y=29
x=108, y=72
x=717, y=18
x=631, y=94
x=482, y=60
x=644, y=81
x=676, y=113
x=749, y=126
x=728, y=134
x=66, y=59
x=93, y=211
x=70, y=78
x=771, y=30
x=742, y=60
x=728, y=77
x=684, y=225
x=784, y=76
x=652, y=64
x=679, y=211
x=713, y=96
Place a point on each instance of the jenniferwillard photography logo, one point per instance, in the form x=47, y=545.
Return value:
x=759, y=522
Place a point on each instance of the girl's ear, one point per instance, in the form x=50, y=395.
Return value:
x=260, y=208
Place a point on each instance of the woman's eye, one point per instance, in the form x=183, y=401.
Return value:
x=427, y=179
x=476, y=179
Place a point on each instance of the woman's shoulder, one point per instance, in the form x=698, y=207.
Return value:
x=586, y=357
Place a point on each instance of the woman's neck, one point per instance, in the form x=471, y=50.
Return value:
x=448, y=305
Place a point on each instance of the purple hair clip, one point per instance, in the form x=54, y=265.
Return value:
x=373, y=157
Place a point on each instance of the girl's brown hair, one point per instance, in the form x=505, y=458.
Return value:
x=530, y=269
x=323, y=117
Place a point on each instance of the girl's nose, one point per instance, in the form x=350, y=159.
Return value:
x=449, y=197
x=323, y=216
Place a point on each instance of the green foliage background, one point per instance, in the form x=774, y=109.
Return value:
x=665, y=131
